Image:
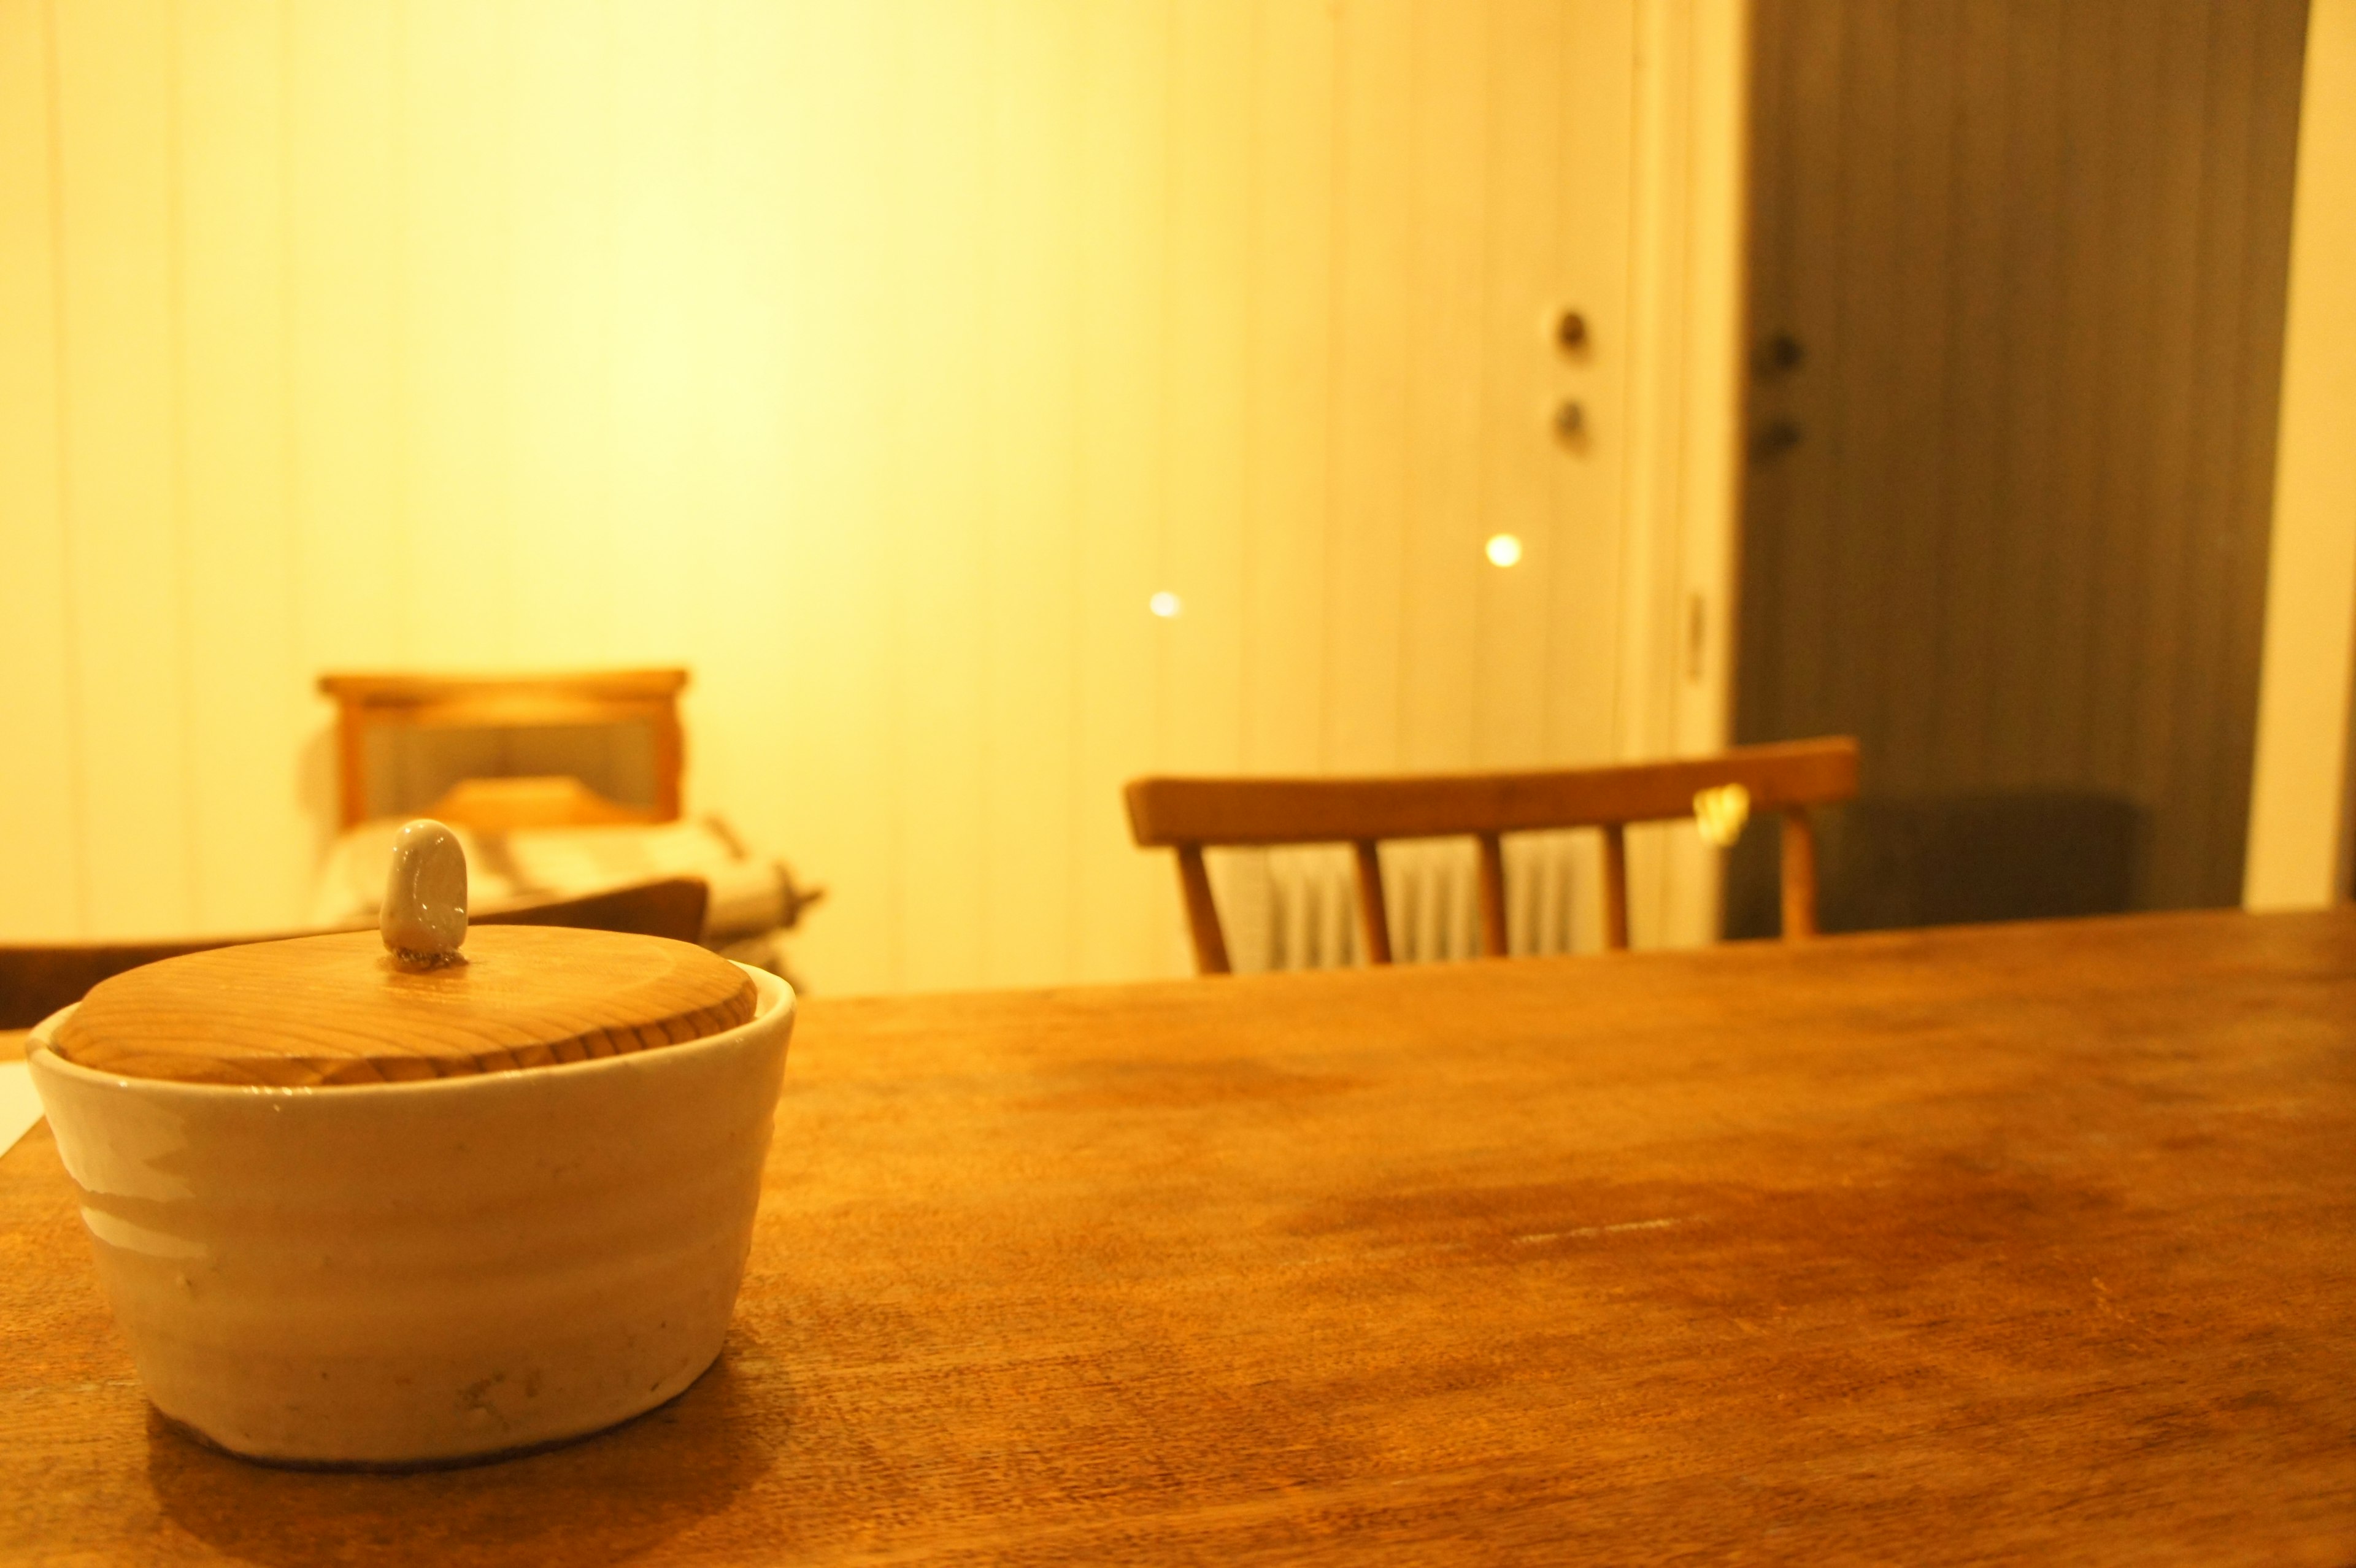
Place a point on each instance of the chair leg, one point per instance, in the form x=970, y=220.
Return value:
x=1615, y=887
x=1493, y=895
x=1201, y=913
x=1799, y=875
x=1374, y=918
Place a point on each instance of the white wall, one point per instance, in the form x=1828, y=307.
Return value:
x=876, y=358
x=2300, y=799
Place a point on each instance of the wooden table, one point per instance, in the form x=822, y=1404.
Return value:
x=2034, y=1242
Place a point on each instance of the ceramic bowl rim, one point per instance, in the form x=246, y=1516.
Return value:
x=773, y=1007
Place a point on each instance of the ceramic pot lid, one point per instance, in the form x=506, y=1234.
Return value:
x=423, y=999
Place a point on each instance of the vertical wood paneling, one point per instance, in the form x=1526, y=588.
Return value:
x=1287, y=414
x=457, y=284
x=2220, y=322
x=1214, y=58
x=1519, y=467
x=2019, y=543
x=1650, y=650
x=1127, y=916
x=1439, y=635
x=1594, y=106
x=662, y=336
x=942, y=369
x=2066, y=635
x=876, y=358
x=758, y=229
x=1916, y=492
x=2119, y=560
x=1972, y=517
x=560, y=308
x=2027, y=437
x=243, y=671
x=851, y=59
x=1032, y=657
x=2159, y=759
x=124, y=477
x=1805, y=540
x=1586, y=617
x=40, y=861
x=353, y=569
x=1372, y=239
x=1860, y=422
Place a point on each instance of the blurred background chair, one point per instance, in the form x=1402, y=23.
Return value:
x=559, y=786
x=37, y=981
x=1191, y=815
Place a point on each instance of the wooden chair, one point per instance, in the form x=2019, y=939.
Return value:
x=670, y=906
x=37, y=981
x=1189, y=814
x=368, y=703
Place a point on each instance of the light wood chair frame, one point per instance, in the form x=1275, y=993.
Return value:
x=1191, y=815
x=366, y=702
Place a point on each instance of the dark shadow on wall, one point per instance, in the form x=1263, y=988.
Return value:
x=1950, y=860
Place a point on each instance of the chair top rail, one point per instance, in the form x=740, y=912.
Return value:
x=1169, y=811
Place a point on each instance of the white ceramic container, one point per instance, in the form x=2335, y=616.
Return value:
x=421, y=1273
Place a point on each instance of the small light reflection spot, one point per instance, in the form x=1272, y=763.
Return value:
x=1164, y=605
x=1503, y=549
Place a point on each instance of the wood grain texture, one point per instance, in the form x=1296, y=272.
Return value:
x=2026, y=1243
x=335, y=1009
x=36, y=980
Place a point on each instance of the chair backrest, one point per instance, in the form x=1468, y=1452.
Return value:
x=1189, y=814
x=368, y=703
x=673, y=907
x=37, y=981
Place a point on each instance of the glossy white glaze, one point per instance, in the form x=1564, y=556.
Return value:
x=409, y=1272
x=424, y=917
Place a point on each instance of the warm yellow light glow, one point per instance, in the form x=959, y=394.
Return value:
x=1503, y=549
x=1164, y=605
x=1721, y=813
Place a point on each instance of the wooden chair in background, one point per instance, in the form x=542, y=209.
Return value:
x=37, y=981
x=368, y=704
x=1189, y=814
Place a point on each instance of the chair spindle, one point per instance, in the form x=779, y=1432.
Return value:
x=1201, y=913
x=1799, y=874
x=1374, y=917
x=1615, y=887
x=1493, y=894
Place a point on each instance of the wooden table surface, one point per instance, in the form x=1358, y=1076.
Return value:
x=2033, y=1243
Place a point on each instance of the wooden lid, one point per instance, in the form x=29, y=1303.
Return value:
x=338, y=1009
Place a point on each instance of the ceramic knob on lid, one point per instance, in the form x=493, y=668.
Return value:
x=421, y=997
x=423, y=922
